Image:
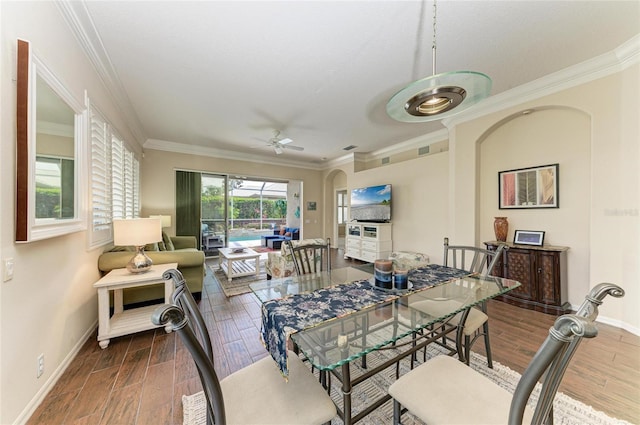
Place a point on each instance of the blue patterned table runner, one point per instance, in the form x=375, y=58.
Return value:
x=282, y=317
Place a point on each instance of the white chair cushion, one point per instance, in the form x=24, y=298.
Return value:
x=439, y=308
x=274, y=400
x=407, y=260
x=446, y=391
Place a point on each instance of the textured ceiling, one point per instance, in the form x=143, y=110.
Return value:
x=224, y=74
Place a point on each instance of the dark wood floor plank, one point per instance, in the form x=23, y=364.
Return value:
x=114, y=354
x=142, y=340
x=123, y=404
x=156, y=404
x=134, y=368
x=95, y=393
x=54, y=409
x=163, y=348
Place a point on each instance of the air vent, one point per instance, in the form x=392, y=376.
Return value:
x=385, y=160
x=423, y=150
x=348, y=148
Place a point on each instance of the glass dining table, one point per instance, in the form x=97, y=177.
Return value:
x=335, y=318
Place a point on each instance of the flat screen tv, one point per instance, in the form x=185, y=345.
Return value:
x=371, y=203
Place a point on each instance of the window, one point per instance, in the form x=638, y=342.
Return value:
x=115, y=180
x=342, y=206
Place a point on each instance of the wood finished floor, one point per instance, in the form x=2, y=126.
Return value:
x=139, y=379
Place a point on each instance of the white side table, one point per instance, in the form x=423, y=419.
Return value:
x=124, y=322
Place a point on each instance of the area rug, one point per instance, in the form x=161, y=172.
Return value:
x=567, y=411
x=239, y=285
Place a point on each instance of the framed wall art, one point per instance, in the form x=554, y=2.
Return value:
x=535, y=187
x=528, y=237
x=311, y=206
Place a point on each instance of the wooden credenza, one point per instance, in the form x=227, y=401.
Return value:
x=542, y=272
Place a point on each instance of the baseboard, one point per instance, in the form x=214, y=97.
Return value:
x=31, y=407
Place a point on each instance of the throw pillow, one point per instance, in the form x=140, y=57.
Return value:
x=287, y=233
x=151, y=246
x=168, y=244
x=282, y=231
x=162, y=246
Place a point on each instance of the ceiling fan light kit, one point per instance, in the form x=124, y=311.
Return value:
x=440, y=95
x=279, y=145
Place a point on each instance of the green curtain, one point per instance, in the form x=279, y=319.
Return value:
x=188, y=194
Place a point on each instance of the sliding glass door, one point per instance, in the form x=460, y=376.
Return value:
x=257, y=207
x=235, y=211
x=214, y=213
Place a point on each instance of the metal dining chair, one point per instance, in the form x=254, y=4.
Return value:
x=444, y=390
x=310, y=257
x=476, y=325
x=257, y=393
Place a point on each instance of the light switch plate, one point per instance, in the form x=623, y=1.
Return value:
x=7, y=269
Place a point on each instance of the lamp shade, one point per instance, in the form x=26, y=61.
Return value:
x=165, y=219
x=136, y=231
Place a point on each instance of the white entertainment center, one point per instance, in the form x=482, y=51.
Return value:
x=368, y=241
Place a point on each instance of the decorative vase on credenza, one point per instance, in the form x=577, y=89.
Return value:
x=501, y=228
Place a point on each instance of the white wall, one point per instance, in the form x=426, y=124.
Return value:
x=549, y=136
x=50, y=306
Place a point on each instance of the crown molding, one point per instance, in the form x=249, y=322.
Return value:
x=77, y=17
x=601, y=66
x=164, y=145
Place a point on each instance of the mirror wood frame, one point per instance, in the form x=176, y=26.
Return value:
x=28, y=228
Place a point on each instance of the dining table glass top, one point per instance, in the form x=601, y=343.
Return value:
x=332, y=343
x=284, y=287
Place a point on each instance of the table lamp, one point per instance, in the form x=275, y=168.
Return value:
x=137, y=232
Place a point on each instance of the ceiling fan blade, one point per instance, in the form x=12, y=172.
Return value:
x=285, y=141
x=295, y=148
x=277, y=149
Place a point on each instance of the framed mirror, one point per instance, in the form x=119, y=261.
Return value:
x=49, y=161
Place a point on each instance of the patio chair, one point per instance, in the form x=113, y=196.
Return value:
x=444, y=390
x=257, y=393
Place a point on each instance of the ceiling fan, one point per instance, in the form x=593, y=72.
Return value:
x=279, y=144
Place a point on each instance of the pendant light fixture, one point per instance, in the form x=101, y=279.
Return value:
x=440, y=95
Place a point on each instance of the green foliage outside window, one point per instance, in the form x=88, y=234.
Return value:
x=243, y=208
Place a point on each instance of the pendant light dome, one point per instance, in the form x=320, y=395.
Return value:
x=440, y=95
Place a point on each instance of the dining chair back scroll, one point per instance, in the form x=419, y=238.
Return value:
x=258, y=393
x=459, y=394
x=310, y=258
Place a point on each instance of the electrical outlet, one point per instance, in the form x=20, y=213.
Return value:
x=40, y=365
x=7, y=269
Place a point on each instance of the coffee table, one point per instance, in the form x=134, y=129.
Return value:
x=236, y=264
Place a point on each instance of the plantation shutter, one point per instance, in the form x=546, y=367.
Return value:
x=100, y=226
x=117, y=178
